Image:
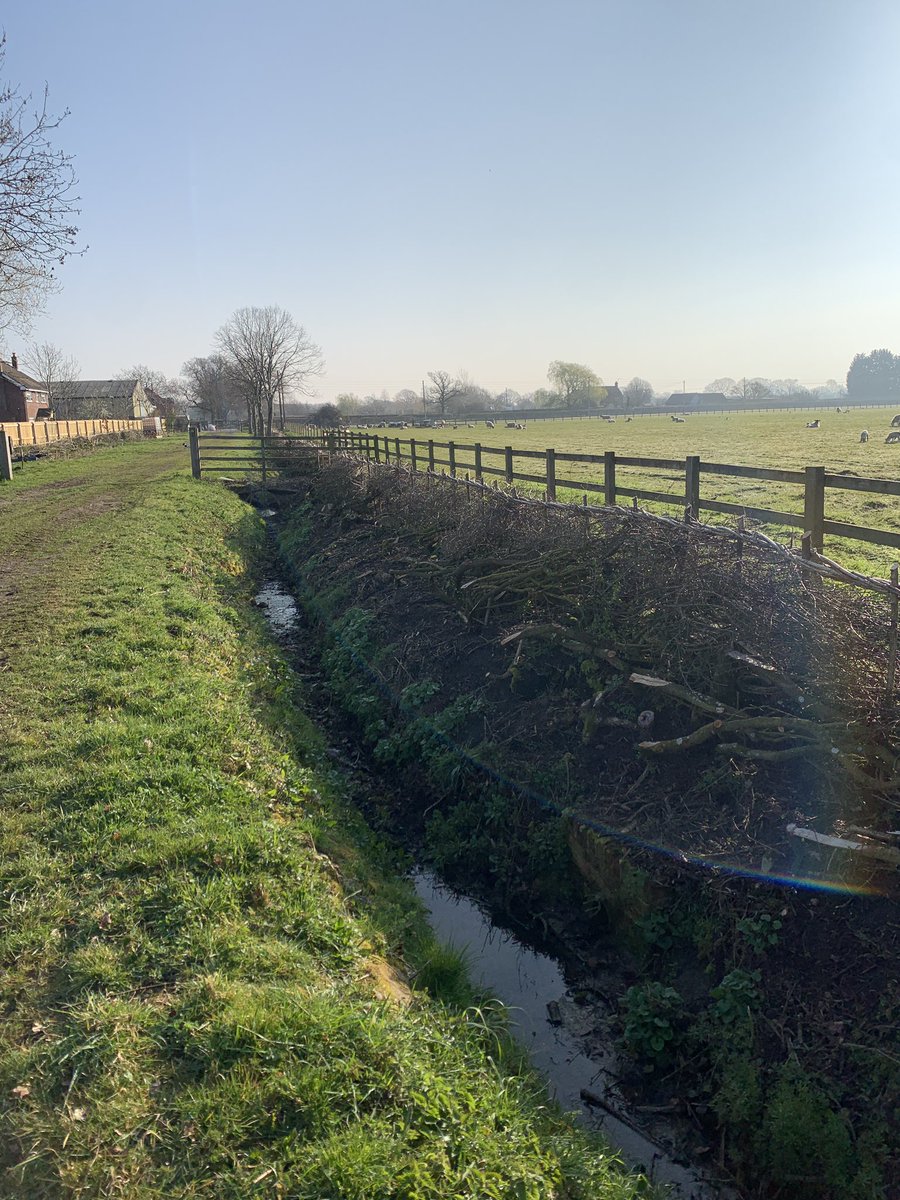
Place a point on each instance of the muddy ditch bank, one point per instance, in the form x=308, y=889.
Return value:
x=566, y=1029
x=758, y=993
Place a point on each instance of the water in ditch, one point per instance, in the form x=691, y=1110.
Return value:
x=547, y=1020
x=279, y=606
x=544, y=1016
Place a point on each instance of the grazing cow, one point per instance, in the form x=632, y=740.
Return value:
x=892, y=437
x=895, y=421
x=813, y=424
x=627, y=419
x=864, y=436
x=489, y=424
x=678, y=420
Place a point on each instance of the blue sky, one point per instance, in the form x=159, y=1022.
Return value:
x=677, y=189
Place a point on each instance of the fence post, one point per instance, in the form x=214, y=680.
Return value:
x=814, y=507
x=194, y=442
x=368, y=447
x=551, y=474
x=692, y=487
x=478, y=461
x=399, y=456
x=412, y=455
x=451, y=454
x=431, y=456
x=262, y=455
x=508, y=451
x=609, y=477
x=377, y=444
x=5, y=456
x=892, y=638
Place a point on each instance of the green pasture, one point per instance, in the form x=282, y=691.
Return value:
x=764, y=439
x=760, y=439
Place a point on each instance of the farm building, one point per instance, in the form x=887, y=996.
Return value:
x=21, y=397
x=90, y=399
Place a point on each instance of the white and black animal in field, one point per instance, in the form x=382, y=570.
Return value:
x=813, y=424
x=678, y=420
x=864, y=437
x=892, y=437
x=895, y=421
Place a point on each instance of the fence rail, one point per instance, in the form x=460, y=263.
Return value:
x=266, y=455
x=244, y=453
x=815, y=481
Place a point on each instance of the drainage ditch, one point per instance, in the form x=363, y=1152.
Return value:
x=566, y=1029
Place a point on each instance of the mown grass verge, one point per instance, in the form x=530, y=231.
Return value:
x=195, y=1000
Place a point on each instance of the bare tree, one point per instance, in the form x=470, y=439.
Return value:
x=36, y=204
x=56, y=371
x=638, y=392
x=724, y=385
x=210, y=385
x=443, y=390
x=348, y=403
x=747, y=389
x=271, y=356
x=407, y=401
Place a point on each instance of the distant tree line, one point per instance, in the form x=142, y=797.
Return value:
x=572, y=385
x=757, y=388
x=264, y=363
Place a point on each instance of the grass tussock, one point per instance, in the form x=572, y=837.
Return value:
x=188, y=1006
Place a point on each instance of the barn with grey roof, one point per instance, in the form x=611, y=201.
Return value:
x=90, y=399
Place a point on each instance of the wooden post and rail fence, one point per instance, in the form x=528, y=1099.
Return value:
x=267, y=454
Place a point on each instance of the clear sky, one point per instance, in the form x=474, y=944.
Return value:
x=677, y=189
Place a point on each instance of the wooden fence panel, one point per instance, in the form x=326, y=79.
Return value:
x=42, y=433
x=813, y=520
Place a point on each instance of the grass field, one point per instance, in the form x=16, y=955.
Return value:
x=195, y=997
x=768, y=439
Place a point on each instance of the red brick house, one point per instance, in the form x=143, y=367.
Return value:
x=21, y=397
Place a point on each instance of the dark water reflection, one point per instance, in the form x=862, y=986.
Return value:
x=527, y=982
